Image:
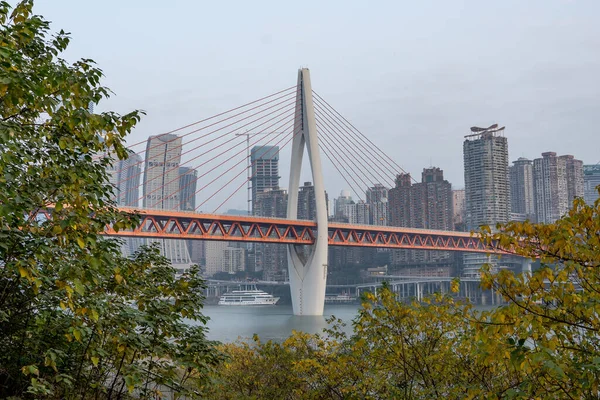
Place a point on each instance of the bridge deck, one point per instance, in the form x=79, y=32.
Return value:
x=195, y=226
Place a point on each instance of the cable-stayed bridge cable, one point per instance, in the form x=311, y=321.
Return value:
x=335, y=165
x=346, y=158
x=376, y=159
x=287, y=116
x=214, y=131
x=240, y=173
x=218, y=115
x=384, y=174
x=352, y=127
x=377, y=176
x=286, y=120
x=251, y=177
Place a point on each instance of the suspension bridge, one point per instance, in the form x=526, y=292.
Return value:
x=218, y=158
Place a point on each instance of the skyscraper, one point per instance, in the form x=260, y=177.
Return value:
x=266, y=202
x=377, y=199
x=161, y=172
x=130, y=172
x=271, y=258
x=522, y=205
x=161, y=190
x=400, y=201
x=458, y=205
x=425, y=205
x=433, y=200
x=556, y=182
x=591, y=179
x=487, y=191
x=549, y=183
x=265, y=170
x=574, y=170
x=339, y=207
x=307, y=208
x=188, y=178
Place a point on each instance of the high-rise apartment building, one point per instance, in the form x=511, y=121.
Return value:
x=487, y=191
x=556, y=182
x=214, y=255
x=377, y=199
x=271, y=258
x=265, y=170
x=161, y=190
x=307, y=206
x=575, y=184
x=267, y=201
x=188, y=178
x=339, y=206
x=522, y=204
x=550, y=187
x=425, y=205
x=458, y=207
x=433, y=200
x=591, y=179
x=130, y=172
x=358, y=213
x=234, y=259
x=400, y=201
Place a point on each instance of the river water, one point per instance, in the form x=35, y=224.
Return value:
x=230, y=323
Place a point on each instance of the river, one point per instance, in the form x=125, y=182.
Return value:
x=230, y=323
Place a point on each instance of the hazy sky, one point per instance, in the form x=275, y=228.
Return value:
x=412, y=75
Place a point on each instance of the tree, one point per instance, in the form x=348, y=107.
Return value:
x=76, y=318
x=543, y=344
x=552, y=321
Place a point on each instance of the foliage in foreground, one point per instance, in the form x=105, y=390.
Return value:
x=77, y=320
x=544, y=344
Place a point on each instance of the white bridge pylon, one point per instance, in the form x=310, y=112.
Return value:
x=307, y=273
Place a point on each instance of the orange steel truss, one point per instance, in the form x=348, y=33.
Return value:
x=188, y=225
x=184, y=225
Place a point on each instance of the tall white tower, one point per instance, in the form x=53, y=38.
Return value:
x=308, y=273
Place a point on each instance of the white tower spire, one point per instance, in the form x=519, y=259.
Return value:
x=307, y=276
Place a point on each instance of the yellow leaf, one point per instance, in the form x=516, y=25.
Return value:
x=95, y=361
x=24, y=272
x=118, y=278
x=81, y=242
x=77, y=334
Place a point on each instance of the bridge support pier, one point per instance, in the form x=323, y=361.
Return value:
x=307, y=272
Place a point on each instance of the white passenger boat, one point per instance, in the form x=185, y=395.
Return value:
x=339, y=298
x=248, y=296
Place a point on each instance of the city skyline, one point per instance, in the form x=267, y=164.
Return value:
x=125, y=176
x=417, y=86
